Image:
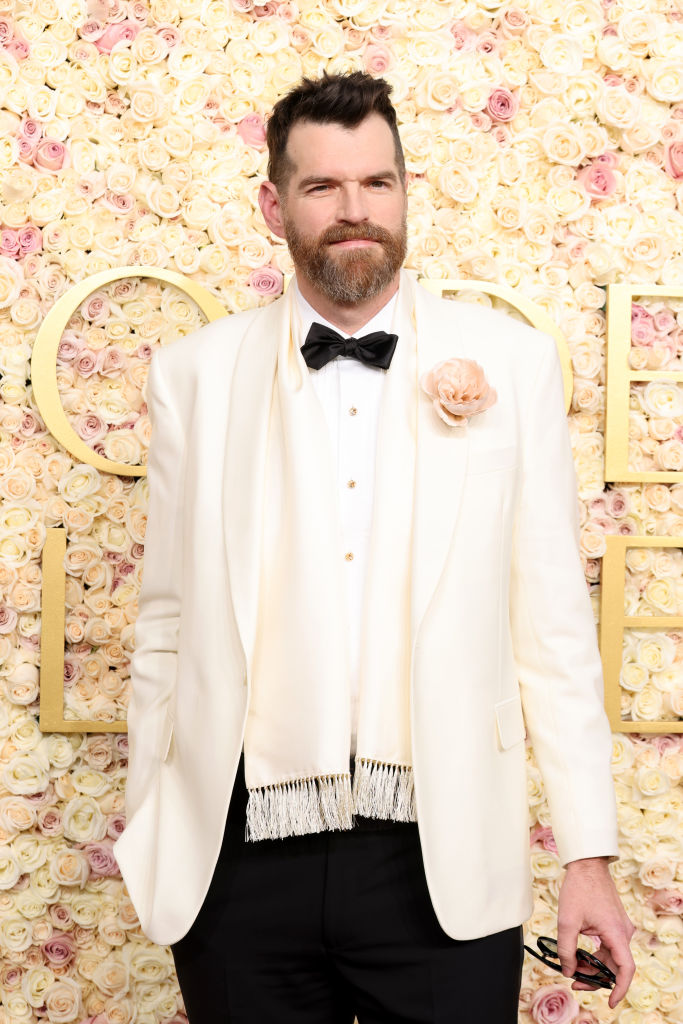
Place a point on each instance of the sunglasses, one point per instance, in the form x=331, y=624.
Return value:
x=602, y=978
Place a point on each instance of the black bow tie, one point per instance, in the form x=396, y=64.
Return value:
x=323, y=344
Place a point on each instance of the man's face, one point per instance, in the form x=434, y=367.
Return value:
x=344, y=208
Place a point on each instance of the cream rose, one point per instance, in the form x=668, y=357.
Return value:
x=458, y=389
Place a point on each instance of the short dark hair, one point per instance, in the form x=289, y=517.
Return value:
x=332, y=99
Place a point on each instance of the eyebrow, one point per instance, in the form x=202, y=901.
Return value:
x=327, y=179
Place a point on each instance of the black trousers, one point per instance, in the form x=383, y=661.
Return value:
x=319, y=929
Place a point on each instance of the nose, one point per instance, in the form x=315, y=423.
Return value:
x=352, y=205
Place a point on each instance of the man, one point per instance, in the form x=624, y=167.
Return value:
x=336, y=653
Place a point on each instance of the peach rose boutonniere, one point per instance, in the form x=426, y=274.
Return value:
x=458, y=389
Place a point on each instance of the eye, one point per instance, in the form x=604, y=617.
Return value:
x=379, y=183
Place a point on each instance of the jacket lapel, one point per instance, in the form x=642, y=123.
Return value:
x=442, y=453
x=245, y=460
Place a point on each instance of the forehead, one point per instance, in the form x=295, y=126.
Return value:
x=331, y=150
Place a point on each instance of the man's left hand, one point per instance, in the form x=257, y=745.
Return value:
x=589, y=904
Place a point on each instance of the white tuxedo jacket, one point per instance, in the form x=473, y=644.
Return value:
x=502, y=627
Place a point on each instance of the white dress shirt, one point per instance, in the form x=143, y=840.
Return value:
x=350, y=394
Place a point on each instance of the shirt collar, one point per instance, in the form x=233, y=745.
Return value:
x=381, y=321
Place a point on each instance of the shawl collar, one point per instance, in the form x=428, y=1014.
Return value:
x=441, y=458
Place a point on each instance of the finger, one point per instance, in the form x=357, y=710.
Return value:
x=567, y=940
x=617, y=955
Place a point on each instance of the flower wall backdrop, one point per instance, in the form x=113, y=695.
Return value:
x=544, y=144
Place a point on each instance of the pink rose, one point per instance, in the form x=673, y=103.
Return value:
x=513, y=21
x=502, y=105
x=8, y=619
x=117, y=202
x=87, y=363
x=30, y=239
x=553, y=1004
x=545, y=837
x=95, y=309
x=19, y=48
x=70, y=344
x=673, y=160
x=51, y=155
x=90, y=427
x=9, y=243
x=376, y=58
x=463, y=36
x=664, y=321
x=266, y=280
x=92, y=29
x=50, y=822
x=618, y=503
x=598, y=180
x=480, y=121
x=169, y=33
x=287, y=12
x=27, y=149
x=31, y=129
x=101, y=859
x=121, y=738
x=60, y=915
x=122, y=32
x=6, y=31
x=113, y=363
x=667, y=901
x=642, y=329
x=265, y=10
x=252, y=130
x=639, y=312
x=115, y=825
x=486, y=42
x=59, y=949
x=458, y=389
x=609, y=159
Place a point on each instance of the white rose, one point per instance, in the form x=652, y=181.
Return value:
x=35, y=983
x=83, y=820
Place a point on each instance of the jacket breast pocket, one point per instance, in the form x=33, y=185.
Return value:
x=510, y=722
x=492, y=460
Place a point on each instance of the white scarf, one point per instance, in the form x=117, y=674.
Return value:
x=298, y=733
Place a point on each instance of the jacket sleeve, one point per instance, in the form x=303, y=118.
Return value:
x=154, y=661
x=553, y=632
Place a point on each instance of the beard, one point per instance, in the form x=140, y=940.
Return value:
x=348, y=276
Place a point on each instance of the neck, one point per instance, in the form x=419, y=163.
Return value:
x=349, y=319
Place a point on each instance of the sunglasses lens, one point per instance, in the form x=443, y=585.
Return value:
x=548, y=946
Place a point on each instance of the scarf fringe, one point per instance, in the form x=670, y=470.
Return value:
x=328, y=802
x=384, y=791
x=298, y=808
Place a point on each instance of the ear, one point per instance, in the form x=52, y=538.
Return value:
x=271, y=208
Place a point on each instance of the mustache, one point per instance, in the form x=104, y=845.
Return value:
x=351, y=232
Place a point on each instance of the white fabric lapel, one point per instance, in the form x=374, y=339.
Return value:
x=245, y=458
x=442, y=454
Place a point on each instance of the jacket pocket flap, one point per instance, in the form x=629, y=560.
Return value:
x=510, y=721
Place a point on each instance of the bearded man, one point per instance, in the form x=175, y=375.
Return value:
x=362, y=582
